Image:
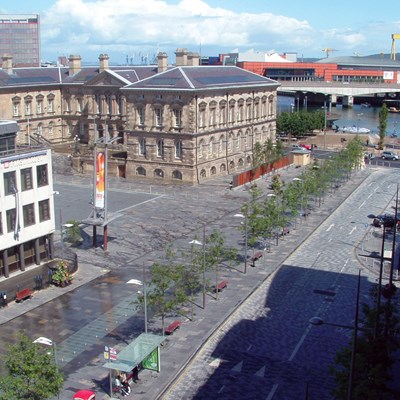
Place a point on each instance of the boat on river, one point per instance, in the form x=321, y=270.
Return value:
x=366, y=105
x=354, y=129
x=393, y=110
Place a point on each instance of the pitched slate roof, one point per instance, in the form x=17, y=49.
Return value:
x=203, y=78
x=32, y=76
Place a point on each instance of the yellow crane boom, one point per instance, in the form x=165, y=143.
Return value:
x=395, y=36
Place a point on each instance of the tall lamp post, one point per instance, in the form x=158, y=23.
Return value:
x=48, y=342
x=245, y=239
x=300, y=181
x=140, y=283
x=203, y=244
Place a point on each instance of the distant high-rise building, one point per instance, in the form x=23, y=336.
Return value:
x=20, y=38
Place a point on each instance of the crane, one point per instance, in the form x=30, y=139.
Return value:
x=393, y=51
x=327, y=51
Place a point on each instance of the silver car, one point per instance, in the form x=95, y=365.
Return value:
x=389, y=155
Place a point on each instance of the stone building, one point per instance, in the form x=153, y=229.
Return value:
x=184, y=122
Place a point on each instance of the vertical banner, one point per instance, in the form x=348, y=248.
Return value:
x=100, y=180
x=152, y=361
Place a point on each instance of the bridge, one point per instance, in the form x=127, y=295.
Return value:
x=318, y=91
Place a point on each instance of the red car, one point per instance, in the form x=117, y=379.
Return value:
x=306, y=146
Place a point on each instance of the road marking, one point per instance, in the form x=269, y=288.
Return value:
x=361, y=204
x=272, y=392
x=354, y=229
x=298, y=345
x=330, y=227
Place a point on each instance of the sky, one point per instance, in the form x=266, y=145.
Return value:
x=136, y=30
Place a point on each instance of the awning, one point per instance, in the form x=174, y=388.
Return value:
x=136, y=351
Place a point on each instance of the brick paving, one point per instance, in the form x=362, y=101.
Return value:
x=95, y=311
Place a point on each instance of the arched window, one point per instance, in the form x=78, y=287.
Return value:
x=39, y=130
x=222, y=168
x=201, y=148
x=140, y=171
x=211, y=146
x=238, y=141
x=51, y=130
x=160, y=148
x=213, y=170
x=232, y=165
x=177, y=175
x=158, y=173
x=121, y=135
x=240, y=163
x=203, y=173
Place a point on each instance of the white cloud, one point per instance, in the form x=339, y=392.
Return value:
x=79, y=25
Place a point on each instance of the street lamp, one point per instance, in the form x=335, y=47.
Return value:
x=140, y=283
x=300, y=181
x=48, y=342
x=197, y=242
x=358, y=122
x=245, y=238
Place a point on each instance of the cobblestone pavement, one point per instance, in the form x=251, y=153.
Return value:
x=96, y=310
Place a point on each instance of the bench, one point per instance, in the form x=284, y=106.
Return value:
x=23, y=295
x=172, y=327
x=257, y=256
x=221, y=285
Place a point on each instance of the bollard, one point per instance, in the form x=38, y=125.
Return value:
x=4, y=297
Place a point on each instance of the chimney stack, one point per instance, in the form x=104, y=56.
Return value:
x=181, y=57
x=162, y=62
x=7, y=63
x=74, y=64
x=103, y=62
x=193, y=59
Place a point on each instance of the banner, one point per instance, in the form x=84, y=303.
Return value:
x=100, y=180
x=152, y=361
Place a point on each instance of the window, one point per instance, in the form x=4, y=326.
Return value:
x=159, y=96
x=177, y=175
x=28, y=107
x=50, y=104
x=212, y=116
x=79, y=105
x=240, y=112
x=29, y=214
x=51, y=128
x=26, y=179
x=44, y=210
x=140, y=112
x=1, y=225
x=160, y=148
x=177, y=117
x=142, y=147
x=39, y=106
x=202, y=118
x=9, y=183
x=178, y=149
x=39, y=129
x=16, y=108
x=158, y=115
x=11, y=219
x=248, y=111
x=231, y=113
x=42, y=175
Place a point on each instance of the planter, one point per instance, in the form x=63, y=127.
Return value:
x=62, y=284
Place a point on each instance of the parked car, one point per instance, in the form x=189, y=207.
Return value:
x=390, y=155
x=368, y=155
x=306, y=146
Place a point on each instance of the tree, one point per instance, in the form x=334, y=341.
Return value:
x=164, y=293
x=31, y=372
x=383, y=116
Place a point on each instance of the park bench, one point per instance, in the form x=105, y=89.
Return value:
x=23, y=295
x=172, y=327
x=221, y=285
x=256, y=257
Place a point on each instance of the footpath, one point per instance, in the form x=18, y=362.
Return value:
x=179, y=348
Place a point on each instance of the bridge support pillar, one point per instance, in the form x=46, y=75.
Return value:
x=333, y=100
x=348, y=101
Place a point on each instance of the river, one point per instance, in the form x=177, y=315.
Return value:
x=356, y=116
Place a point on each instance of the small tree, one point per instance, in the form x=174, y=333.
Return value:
x=31, y=372
x=383, y=116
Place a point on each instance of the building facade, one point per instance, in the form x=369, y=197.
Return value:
x=184, y=122
x=20, y=39
x=27, y=221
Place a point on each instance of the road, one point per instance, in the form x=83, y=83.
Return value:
x=268, y=349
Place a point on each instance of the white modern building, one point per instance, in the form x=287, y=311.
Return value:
x=27, y=221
